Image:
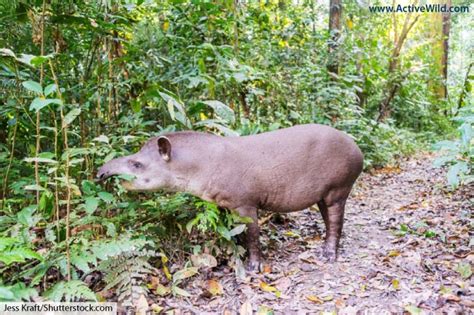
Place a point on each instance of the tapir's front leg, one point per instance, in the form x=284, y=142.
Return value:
x=252, y=237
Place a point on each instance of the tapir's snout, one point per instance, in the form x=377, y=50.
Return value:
x=103, y=174
x=107, y=170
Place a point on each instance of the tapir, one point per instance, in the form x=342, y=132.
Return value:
x=284, y=170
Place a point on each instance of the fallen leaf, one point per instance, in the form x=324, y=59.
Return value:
x=452, y=298
x=268, y=288
x=267, y=268
x=246, y=308
x=141, y=305
x=396, y=284
x=291, y=234
x=464, y=269
x=156, y=309
x=264, y=310
x=412, y=309
x=184, y=273
x=214, y=287
x=340, y=303
x=314, y=299
x=393, y=253
x=203, y=260
x=167, y=272
x=161, y=290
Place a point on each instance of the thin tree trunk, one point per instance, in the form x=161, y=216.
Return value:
x=335, y=10
x=466, y=86
x=444, y=60
x=394, y=81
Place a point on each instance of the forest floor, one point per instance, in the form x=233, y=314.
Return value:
x=406, y=247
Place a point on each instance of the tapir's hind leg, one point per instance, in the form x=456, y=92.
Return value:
x=324, y=212
x=333, y=216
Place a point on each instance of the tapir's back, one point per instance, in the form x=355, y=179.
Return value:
x=295, y=167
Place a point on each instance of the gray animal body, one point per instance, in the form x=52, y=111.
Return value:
x=281, y=171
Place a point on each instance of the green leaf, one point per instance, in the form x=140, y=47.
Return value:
x=39, y=103
x=191, y=224
x=33, y=86
x=50, y=89
x=173, y=103
x=413, y=310
x=91, y=204
x=105, y=196
x=237, y=230
x=40, y=160
x=224, y=232
x=7, y=242
x=464, y=269
x=39, y=60
x=179, y=291
x=184, y=274
x=211, y=123
x=222, y=110
x=455, y=171
x=6, y=294
x=25, y=216
x=69, y=118
x=73, y=290
x=34, y=187
x=20, y=254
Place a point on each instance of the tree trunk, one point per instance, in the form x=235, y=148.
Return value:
x=466, y=86
x=439, y=31
x=335, y=10
x=394, y=80
x=444, y=60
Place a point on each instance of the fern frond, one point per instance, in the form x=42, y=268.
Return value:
x=70, y=291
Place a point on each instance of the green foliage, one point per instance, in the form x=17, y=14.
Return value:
x=127, y=274
x=458, y=154
x=70, y=291
x=115, y=73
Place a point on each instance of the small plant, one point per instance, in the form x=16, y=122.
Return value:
x=458, y=155
x=127, y=273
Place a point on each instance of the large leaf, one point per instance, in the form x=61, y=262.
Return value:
x=222, y=110
x=184, y=274
x=40, y=160
x=69, y=118
x=455, y=171
x=20, y=254
x=211, y=123
x=33, y=86
x=91, y=204
x=39, y=103
x=180, y=113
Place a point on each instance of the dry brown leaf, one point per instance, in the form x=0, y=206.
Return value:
x=203, y=260
x=214, y=287
x=267, y=268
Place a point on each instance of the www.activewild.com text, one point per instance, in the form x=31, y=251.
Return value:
x=427, y=8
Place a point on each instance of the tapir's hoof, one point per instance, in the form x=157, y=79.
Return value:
x=329, y=255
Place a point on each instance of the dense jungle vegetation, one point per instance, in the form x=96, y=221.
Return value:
x=83, y=82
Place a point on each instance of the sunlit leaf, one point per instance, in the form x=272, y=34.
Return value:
x=39, y=103
x=69, y=118
x=33, y=86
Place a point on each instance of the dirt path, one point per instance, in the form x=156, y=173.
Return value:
x=406, y=247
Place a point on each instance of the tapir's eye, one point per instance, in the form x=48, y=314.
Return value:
x=136, y=164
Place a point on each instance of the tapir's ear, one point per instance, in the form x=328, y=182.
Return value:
x=164, y=148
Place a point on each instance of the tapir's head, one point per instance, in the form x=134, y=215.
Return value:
x=150, y=166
